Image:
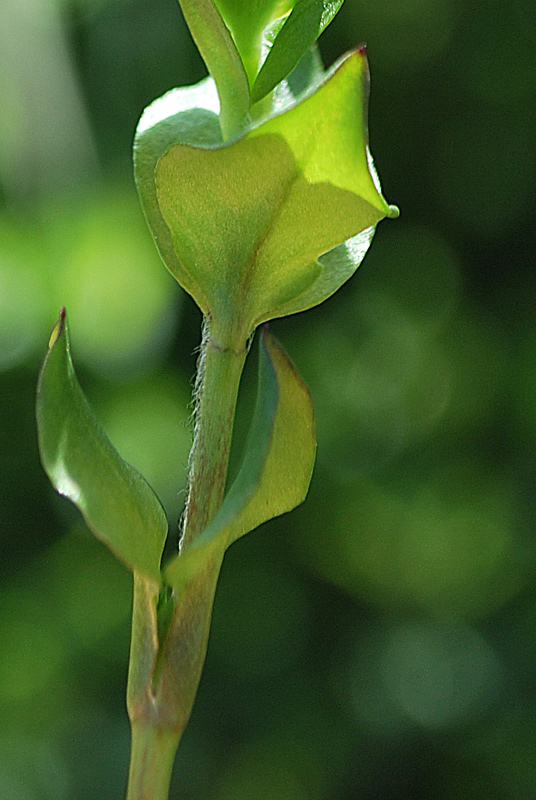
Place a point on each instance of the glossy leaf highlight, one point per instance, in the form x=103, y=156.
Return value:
x=186, y=115
x=117, y=503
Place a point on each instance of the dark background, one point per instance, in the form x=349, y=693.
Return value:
x=379, y=641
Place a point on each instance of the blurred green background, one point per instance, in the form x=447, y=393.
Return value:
x=379, y=642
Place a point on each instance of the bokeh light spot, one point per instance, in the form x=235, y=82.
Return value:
x=122, y=304
x=475, y=349
x=384, y=382
x=439, y=675
x=421, y=673
x=418, y=269
x=440, y=540
x=148, y=422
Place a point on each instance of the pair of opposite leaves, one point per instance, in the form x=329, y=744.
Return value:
x=120, y=507
x=264, y=226
x=274, y=222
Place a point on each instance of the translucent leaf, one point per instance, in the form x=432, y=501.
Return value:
x=249, y=221
x=277, y=466
x=117, y=503
x=246, y=19
x=299, y=32
x=305, y=77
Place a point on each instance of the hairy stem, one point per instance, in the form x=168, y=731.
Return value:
x=219, y=371
x=164, y=674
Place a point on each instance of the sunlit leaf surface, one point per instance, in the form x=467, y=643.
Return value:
x=249, y=221
x=246, y=20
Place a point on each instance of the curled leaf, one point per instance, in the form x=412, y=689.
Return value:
x=247, y=19
x=186, y=115
x=276, y=469
x=117, y=503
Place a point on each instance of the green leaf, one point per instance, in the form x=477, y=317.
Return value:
x=246, y=19
x=305, y=77
x=276, y=470
x=249, y=221
x=186, y=115
x=117, y=503
x=301, y=29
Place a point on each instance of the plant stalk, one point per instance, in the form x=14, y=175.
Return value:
x=223, y=61
x=152, y=754
x=164, y=675
x=219, y=372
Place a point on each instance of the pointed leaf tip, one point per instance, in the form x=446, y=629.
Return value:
x=58, y=328
x=117, y=503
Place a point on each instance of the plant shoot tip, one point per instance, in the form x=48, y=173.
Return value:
x=57, y=330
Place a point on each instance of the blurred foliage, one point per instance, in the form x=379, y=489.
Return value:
x=385, y=628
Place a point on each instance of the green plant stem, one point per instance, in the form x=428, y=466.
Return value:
x=163, y=676
x=151, y=762
x=223, y=61
x=220, y=370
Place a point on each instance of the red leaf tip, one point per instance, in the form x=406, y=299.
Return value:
x=57, y=330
